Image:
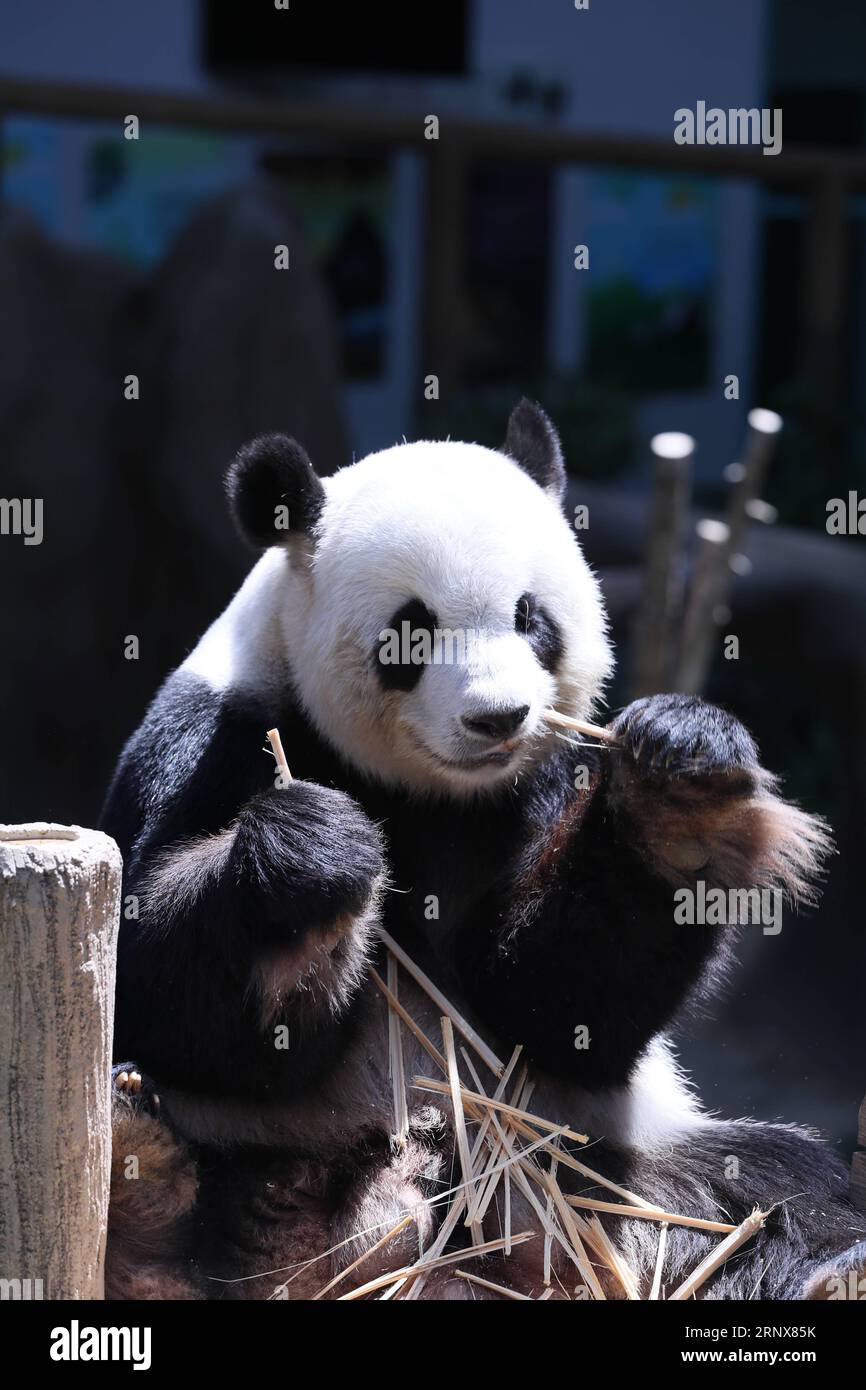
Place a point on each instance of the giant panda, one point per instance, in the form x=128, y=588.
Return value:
x=433, y=797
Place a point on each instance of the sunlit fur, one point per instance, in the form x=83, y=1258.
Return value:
x=259, y=904
x=466, y=531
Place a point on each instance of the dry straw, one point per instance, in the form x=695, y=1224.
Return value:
x=496, y=1159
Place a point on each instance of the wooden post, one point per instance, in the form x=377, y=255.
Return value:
x=59, y=912
x=658, y=614
x=709, y=591
x=749, y=476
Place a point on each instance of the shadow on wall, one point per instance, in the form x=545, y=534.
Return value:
x=137, y=542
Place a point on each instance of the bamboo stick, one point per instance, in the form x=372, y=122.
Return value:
x=456, y=1088
x=443, y=1235
x=487, y=1055
x=514, y=1159
x=384, y=1279
x=277, y=745
x=488, y=1284
x=383, y=1240
x=395, y=1061
x=571, y=1162
x=474, y=1194
x=660, y=1262
x=523, y=1170
x=426, y=1083
x=570, y=1227
x=580, y=726
x=522, y=1165
x=482, y=1198
x=649, y=1214
x=495, y=1169
x=601, y=1242
x=410, y=1023
x=548, y=1235
x=717, y=1256
x=605, y=1247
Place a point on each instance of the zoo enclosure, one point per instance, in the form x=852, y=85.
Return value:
x=826, y=177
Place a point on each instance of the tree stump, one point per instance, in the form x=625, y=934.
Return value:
x=59, y=911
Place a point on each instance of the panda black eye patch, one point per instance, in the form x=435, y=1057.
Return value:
x=532, y=621
x=403, y=673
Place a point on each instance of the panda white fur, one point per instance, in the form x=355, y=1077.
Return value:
x=418, y=784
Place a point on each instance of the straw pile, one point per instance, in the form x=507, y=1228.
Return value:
x=506, y=1152
x=513, y=1148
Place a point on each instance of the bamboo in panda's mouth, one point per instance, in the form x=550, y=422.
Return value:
x=580, y=726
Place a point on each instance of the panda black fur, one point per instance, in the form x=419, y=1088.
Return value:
x=258, y=902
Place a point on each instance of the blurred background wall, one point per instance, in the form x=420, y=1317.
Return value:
x=145, y=333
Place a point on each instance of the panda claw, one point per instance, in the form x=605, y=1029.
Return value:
x=135, y=1086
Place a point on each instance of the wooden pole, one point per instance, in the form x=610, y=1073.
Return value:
x=59, y=911
x=749, y=476
x=659, y=611
x=709, y=591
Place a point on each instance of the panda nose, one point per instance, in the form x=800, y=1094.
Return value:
x=495, y=724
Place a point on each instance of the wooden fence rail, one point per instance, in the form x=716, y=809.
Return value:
x=827, y=177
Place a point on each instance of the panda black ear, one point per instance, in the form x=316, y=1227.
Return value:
x=531, y=440
x=274, y=491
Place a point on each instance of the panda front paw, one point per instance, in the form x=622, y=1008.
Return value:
x=308, y=856
x=132, y=1084
x=686, y=784
x=665, y=738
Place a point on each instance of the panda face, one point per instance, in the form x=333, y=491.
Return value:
x=440, y=606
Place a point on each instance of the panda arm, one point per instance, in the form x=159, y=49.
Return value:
x=585, y=960
x=293, y=861
x=262, y=924
x=217, y=842
x=232, y=894
x=687, y=784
